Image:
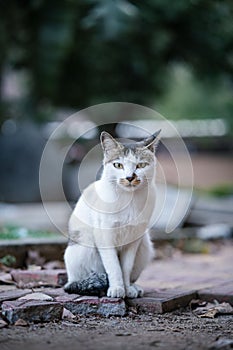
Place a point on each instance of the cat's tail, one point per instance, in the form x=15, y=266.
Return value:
x=95, y=284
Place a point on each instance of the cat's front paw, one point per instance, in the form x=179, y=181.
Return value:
x=116, y=292
x=134, y=291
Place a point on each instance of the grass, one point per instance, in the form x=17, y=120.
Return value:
x=224, y=190
x=17, y=232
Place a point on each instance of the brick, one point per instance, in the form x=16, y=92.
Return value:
x=47, y=277
x=99, y=306
x=222, y=293
x=31, y=311
x=161, y=301
x=13, y=294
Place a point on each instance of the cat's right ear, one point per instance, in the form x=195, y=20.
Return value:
x=108, y=143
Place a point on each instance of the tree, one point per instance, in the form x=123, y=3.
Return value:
x=82, y=52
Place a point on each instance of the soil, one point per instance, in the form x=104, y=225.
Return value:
x=180, y=330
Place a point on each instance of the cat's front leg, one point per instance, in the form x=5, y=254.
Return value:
x=127, y=262
x=113, y=269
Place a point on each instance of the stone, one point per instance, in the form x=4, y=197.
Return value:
x=161, y=301
x=52, y=292
x=86, y=305
x=112, y=307
x=13, y=294
x=36, y=296
x=68, y=315
x=41, y=277
x=63, y=298
x=31, y=311
x=222, y=293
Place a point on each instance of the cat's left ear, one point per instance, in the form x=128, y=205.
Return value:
x=152, y=141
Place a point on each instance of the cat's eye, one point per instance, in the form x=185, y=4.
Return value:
x=141, y=165
x=118, y=165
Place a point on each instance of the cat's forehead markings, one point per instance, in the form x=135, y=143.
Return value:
x=130, y=154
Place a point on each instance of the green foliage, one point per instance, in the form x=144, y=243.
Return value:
x=16, y=232
x=8, y=260
x=221, y=191
x=188, y=97
x=80, y=52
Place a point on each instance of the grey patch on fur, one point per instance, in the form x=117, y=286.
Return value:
x=73, y=237
x=95, y=285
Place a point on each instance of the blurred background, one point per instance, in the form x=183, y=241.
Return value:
x=59, y=57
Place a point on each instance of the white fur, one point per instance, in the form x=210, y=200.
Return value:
x=110, y=226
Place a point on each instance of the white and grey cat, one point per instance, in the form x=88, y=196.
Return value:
x=109, y=243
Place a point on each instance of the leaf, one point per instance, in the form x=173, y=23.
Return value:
x=3, y=324
x=211, y=310
x=21, y=322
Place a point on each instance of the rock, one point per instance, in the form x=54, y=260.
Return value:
x=68, y=315
x=36, y=296
x=99, y=306
x=13, y=294
x=31, y=311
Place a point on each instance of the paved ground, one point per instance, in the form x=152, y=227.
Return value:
x=180, y=329
x=191, y=271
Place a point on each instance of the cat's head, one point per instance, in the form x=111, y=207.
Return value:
x=129, y=165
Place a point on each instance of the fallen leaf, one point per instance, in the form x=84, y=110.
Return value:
x=211, y=310
x=21, y=322
x=3, y=324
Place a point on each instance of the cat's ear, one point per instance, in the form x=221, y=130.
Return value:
x=108, y=143
x=152, y=141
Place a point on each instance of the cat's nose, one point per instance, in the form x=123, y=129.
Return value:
x=130, y=178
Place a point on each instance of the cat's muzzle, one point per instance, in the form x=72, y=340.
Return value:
x=130, y=181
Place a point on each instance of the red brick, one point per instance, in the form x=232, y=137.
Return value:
x=222, y=293
x=47, y=277
x=31, y=311
x=161, y=301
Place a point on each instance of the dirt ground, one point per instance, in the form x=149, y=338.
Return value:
x=180, y=330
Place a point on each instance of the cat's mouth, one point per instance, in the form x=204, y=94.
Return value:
x=130, y=184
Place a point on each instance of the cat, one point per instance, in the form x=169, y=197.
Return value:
x=109, y=243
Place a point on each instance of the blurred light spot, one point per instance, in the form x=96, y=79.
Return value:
x=171, y=128
x=85, y=128
x=127, y=8
x=9, y=127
